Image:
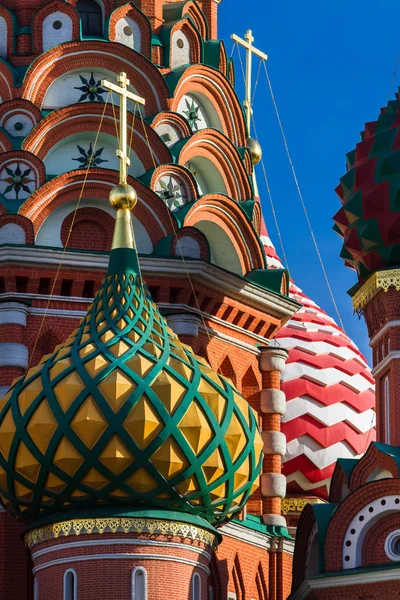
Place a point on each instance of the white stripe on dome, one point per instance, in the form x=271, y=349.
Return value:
x=320, y=457
x=329, y=376
x=329, y=415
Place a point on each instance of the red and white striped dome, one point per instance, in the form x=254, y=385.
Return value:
x=329, y=392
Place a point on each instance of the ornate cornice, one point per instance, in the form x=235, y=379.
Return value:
x=380, y=280
x=298, y=504
x=125, y=525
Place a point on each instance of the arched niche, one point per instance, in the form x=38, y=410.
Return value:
x=49, y=233
x=56, y=29
x=91, y=13
x=222, y=251
x=77, y=150
x=83, y=85
x=127, y=32
x=208, y=178
x=12, y=233
x=199, y=111
x=3, y=37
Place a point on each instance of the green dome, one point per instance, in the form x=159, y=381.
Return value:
x=124, y=414
x=369, y=219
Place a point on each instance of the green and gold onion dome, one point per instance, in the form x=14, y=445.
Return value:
x=125, y=415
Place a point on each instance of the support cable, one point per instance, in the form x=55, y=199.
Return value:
x=68, y=236
x=302, y=200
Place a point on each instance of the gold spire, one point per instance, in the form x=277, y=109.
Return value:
x=123, y=197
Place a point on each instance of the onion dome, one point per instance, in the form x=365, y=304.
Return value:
x=329, y=392
x=124, y=414
x=369, y=220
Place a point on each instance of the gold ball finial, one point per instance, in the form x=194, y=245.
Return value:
x=255, y=150
x=123, y=196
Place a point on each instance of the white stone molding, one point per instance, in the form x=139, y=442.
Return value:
x=273, y=402
x=273, y=358
x=13, y=355
x=274, y=442
x=273, y=485
x=274, y=520
x=13, y=313
x=184, y=324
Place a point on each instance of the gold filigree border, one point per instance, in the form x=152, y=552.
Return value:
x=298, y=504
x=380, y=280
x=119, y=525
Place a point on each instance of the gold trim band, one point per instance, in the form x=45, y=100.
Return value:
x=119, y=525
x=298, y=504
x=380, y=280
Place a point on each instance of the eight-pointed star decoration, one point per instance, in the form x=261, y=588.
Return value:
x=91, y=89
x=18, y=181
x=89, y=158
x=192, y=114
x=171, y=192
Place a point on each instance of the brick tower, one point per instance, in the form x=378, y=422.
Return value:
x=369, y=224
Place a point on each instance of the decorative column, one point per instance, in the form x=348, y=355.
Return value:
x=13, y=351
x=186, y=327
x=273, y=406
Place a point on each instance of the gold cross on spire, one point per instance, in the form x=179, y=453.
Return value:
x=122, y=91
x=250, y=50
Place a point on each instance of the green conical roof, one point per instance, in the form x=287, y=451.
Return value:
x=124, y=414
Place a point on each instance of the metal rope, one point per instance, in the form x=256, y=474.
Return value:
x=302, y=199
x=68, y=236
x=394, y=76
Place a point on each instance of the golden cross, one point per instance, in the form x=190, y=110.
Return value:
x=122, y=91
x=250, y=50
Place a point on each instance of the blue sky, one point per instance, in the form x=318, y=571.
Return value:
x=331, y=67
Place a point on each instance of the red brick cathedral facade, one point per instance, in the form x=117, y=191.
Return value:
x=197, y=225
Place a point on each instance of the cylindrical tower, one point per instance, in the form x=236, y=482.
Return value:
x=368, y=221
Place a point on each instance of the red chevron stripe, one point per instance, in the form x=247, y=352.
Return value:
x=329, y=395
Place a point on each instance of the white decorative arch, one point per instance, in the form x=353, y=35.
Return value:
x=202, y=107
x=56, y=29
x=127, y=32
x=49, y=233
x=208, y=178
x=222, y=250
x=361, y=524
x=70, y=585
x=187, y=246
x=180, y=49
x=11, y=233
x=3, y=37
x=139, y=584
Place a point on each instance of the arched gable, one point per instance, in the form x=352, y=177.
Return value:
x=373, y=460
x=233, y=243
x=18, y=117
x=185, y=44
x=193, y=10
x=130, y=17
x=110, y=56
x=227, y=167
x=72, y=118
x=20, y=229
x=21, y=173
x=53, y=24
x=174, y=184
x=210, y=83
x=150, y=211
x=171, y=127
x=6, y=33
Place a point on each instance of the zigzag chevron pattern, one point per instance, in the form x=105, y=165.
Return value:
x=329, y=391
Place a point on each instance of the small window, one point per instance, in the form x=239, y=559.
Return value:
x=91, y=18
x=139, y=584
x=70, y=585
x=388, y=345
x=386, y=393
x=196, y=587
x=35, y=589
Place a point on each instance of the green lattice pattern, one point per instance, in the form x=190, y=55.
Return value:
x=123, y=414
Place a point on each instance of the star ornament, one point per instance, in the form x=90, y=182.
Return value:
x=18, y=181
x=91, y=89
x=89, y=158
x=192, y=114
x=171, y=193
